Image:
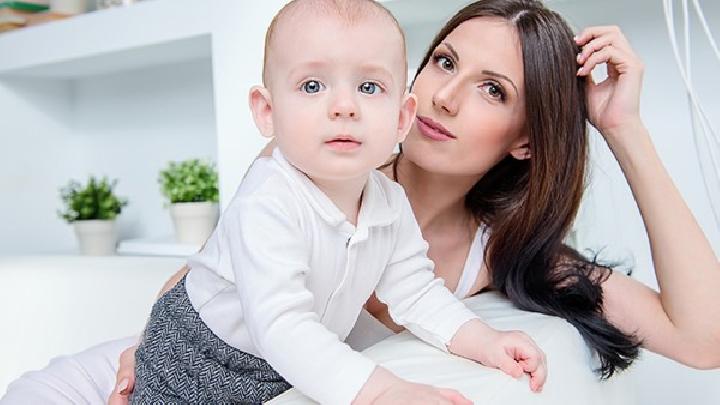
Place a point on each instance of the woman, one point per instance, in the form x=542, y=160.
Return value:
x=501, y=143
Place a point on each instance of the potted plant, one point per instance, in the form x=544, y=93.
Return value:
x=191, y=187
x=92, y=209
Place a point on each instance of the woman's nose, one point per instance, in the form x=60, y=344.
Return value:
x=445, y=98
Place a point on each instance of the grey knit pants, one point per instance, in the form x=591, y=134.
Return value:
x=181, y=361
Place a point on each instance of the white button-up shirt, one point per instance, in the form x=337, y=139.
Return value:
x=285, y=275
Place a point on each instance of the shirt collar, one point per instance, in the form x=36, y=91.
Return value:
x=378, y=207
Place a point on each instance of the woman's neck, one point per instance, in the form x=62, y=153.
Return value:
x=438, y=200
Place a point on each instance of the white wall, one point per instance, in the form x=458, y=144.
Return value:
x=55, y=130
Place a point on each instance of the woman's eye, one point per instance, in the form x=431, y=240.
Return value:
x=311, y=86
x=493, y=90
x=444, y=62
x=369, y=88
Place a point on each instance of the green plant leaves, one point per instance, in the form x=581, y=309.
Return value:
x=94, y=200
x=189, y=181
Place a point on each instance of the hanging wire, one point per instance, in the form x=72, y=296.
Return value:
x=697, y=113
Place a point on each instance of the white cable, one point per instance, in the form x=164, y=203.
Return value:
x=706, y=28
x=695, y=106
x=708, y=34
x=670, y=21
x=686, y=26
x=713, y=45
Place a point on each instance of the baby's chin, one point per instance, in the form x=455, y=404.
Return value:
x=326, y=175
x=328, y=170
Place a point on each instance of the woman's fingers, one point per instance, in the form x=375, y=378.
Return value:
x=610, y=55
x=592, y=47
x=605, y=45
x=590, y=33
x=118, y=399
x=125, y=379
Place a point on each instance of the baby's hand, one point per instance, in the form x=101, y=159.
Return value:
x=513, y=352
x=385, y=388
x=420, y=394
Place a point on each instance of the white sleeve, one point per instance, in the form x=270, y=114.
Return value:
x=415, y=298
x=270, y=260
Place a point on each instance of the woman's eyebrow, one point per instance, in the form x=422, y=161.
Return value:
x=452, y=51
x=501, y=76
x=455, y=55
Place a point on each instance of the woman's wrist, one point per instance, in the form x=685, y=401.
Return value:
x=628, y=140
x=625, y=131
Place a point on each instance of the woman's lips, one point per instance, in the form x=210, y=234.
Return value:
x=343, y=143
x=433, y=130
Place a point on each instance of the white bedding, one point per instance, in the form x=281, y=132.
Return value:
x=570, y=377
x=60, y=305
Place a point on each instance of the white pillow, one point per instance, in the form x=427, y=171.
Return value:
x=571, y=379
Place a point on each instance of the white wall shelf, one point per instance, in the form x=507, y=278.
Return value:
x=156, y=247
x=147, y=34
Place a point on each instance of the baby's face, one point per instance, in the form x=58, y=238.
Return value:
x=336, y=92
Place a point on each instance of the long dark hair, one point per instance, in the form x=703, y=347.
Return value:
x=530, y=205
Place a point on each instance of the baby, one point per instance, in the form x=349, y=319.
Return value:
x=311, y=233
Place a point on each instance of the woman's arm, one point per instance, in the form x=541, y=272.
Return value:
x=682, y=321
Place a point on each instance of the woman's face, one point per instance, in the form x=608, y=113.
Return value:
x=470, y=94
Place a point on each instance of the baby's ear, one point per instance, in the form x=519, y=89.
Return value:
x=261, y=107
x=408, y=110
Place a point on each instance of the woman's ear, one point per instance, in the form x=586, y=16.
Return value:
x=261, y=107
x=408, y=110
x=520, y=149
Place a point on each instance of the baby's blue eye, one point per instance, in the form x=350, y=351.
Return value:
x=311, y=86
x=369, y=88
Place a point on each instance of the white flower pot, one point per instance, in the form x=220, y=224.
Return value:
x=194, y=222
x=101, y=4
x=68, y=7
x=96, y=237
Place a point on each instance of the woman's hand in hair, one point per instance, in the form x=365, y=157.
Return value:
x=613, y=103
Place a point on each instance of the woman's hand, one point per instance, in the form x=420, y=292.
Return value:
x=125, y=378
x=682, y=322
x=615, y=102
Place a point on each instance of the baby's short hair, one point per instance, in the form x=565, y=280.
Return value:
x=349, y=11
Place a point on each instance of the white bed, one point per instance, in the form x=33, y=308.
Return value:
x=65, y=304
x=55, y=305
x=570, y=377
